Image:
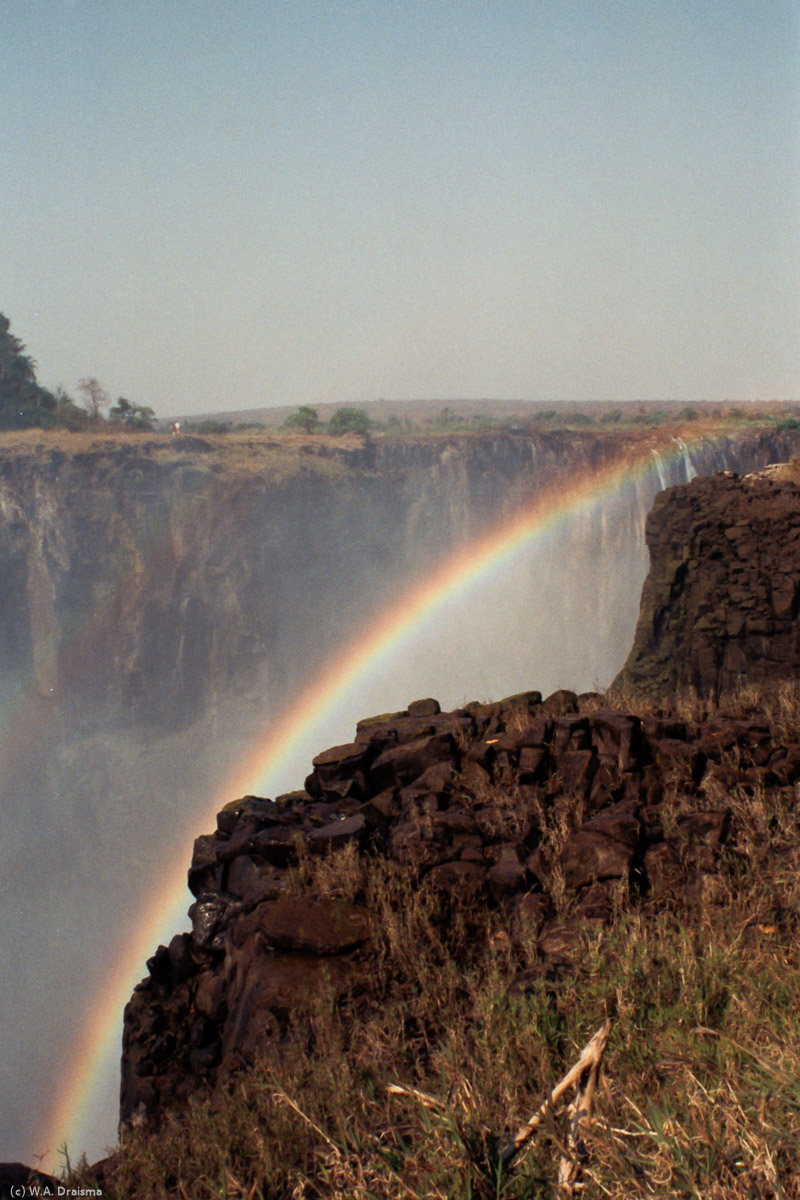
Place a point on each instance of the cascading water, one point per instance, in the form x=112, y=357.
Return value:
x=662, y=477
x=87, y=807
x=689, y=467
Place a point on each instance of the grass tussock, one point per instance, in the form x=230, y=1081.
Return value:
x=699, y=1094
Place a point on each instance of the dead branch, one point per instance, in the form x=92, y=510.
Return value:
x=580, y=1114
x=583, y=1075
x=587, y=1065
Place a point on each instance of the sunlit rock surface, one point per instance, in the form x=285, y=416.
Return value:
x=549, y=813
x=720, y=604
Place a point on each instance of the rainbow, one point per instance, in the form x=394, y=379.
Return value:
x=98, y=1046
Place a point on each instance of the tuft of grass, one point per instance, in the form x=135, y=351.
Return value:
x=700, y=1096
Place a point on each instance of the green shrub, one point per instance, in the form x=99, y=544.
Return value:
x=349, y=420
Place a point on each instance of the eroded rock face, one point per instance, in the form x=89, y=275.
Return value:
x=145, y=578
x=721, y=602
x=549, y=812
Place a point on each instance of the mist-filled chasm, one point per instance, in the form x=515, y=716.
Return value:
x=163, y=607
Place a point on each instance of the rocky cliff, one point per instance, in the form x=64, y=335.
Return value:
x=145, y=578
x=720, y=604
x=547, y=814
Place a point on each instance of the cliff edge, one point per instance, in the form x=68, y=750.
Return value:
x=454, y=902
x=720, y=603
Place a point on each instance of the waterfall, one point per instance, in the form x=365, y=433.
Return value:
x=689, y=467
x=662, y=478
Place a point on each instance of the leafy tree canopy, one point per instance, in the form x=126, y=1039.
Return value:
x=349, y=420
x=306, y=418
x=132, y=416
x=22, y=401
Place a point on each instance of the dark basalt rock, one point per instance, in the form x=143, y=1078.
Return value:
x=721, y=603
x=589, y=857
x=337, y=834
x=18, y=1180
x=424, y=708
x=321, y=927
x=463, y=802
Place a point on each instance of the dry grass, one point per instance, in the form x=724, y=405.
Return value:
x=700, y=1092
x=275, y=456
x=787, y=472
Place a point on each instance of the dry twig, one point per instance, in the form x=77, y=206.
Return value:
x=584, y=1075
x=580, y=1111
x=425, y=1098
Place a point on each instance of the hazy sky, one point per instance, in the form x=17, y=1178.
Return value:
x=221, y=204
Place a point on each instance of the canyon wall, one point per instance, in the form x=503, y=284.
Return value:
x=721, y=601
x=142, y=579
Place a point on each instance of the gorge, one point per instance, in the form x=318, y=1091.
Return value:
x=167, y=602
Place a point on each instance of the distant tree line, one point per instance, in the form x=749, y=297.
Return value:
x=25, y=404
x=347, y=419
x=350, y=419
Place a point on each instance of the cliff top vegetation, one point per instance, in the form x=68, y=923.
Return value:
x=25, y=404
x=430, y=419
x=313, y=436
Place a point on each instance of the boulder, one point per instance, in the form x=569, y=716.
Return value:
x=403, y=764
x=588, y=857
x=322, y=927
x=508, y=874
x=337, y=834
x=340, y=771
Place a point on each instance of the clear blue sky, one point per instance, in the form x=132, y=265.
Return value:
x=220, y=204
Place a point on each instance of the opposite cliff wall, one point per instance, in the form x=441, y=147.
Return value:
x=145, y=578
x=720, y=604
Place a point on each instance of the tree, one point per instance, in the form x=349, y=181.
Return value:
x=68, y=414
x=306, y=418
x=349, y=420
x=132, y=416
x=22, y=401
x=95, y=398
